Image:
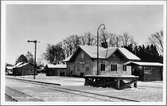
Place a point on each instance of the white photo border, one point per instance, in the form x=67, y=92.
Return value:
x=3, y=33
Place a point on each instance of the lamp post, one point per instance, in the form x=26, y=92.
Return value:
x=98, y=46
x=35, y=42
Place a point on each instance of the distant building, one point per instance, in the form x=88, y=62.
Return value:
x=147, y=71
x=111, y=61
x=22, y=68
x=56, y=70
x=9, y=69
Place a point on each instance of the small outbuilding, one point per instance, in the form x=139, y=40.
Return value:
x=22, y=68
x=56, y=70
x=147, y=71
x=9, y=70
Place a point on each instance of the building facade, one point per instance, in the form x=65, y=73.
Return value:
x=111, y=61
x=56, y=70
x=147, y=71
x=22, y=69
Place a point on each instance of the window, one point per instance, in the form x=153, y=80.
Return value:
x=82, y=55
x=113, y=67
x=124, y=67
x=102, y=67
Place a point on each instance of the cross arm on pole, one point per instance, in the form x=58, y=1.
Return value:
x=35, y=42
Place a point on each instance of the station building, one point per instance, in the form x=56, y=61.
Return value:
x=112, y=61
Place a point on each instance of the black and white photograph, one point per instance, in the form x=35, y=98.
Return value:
x=83, y=52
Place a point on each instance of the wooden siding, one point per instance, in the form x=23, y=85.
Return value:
x=112, y=60
x=25, y=70
x=152, y=73
x=83, y=64
x=88, y=66
x=80, y=65
x=56, y=72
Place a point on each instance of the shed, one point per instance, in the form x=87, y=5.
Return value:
x=56, y=70
x=22, y=68
x=9, y=70
x=147, y=71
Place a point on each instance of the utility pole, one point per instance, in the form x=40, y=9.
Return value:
x=35, y=42
x=98, y=46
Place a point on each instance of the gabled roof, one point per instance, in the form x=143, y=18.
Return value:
x=129, y=55
x=20, y=64
x=144, y=63
x=68, y=58
x=9, y=67
x=104, y=53
x=92, y=51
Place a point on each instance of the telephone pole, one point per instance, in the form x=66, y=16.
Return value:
x=35, y=42
x=98, y=72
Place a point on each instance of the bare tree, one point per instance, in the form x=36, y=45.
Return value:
x=67, y=47
x=70, y=44
x=157, y=40
x=126, y=39
x=111, y=41
x=87, y=39
x=83, y=40
x=104, y=37
x=54, y=53
x=21, y=58
x=29, y=57
x=114, y=40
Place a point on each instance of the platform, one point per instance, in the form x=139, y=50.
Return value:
x=118, y=81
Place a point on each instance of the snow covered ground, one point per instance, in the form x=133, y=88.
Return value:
x=145, y=91
x=64, y=81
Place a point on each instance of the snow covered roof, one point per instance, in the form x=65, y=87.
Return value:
x=20, y=64
x=105, y=52
x=92, y=51
x=9, y=67
x=145, y=63
x=57, y=66
x=128, y=54
x=68, y=58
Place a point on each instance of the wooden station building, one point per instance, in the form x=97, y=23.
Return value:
x=114, y=63
x=111, y=61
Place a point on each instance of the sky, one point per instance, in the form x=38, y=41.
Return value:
x=50, y=24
